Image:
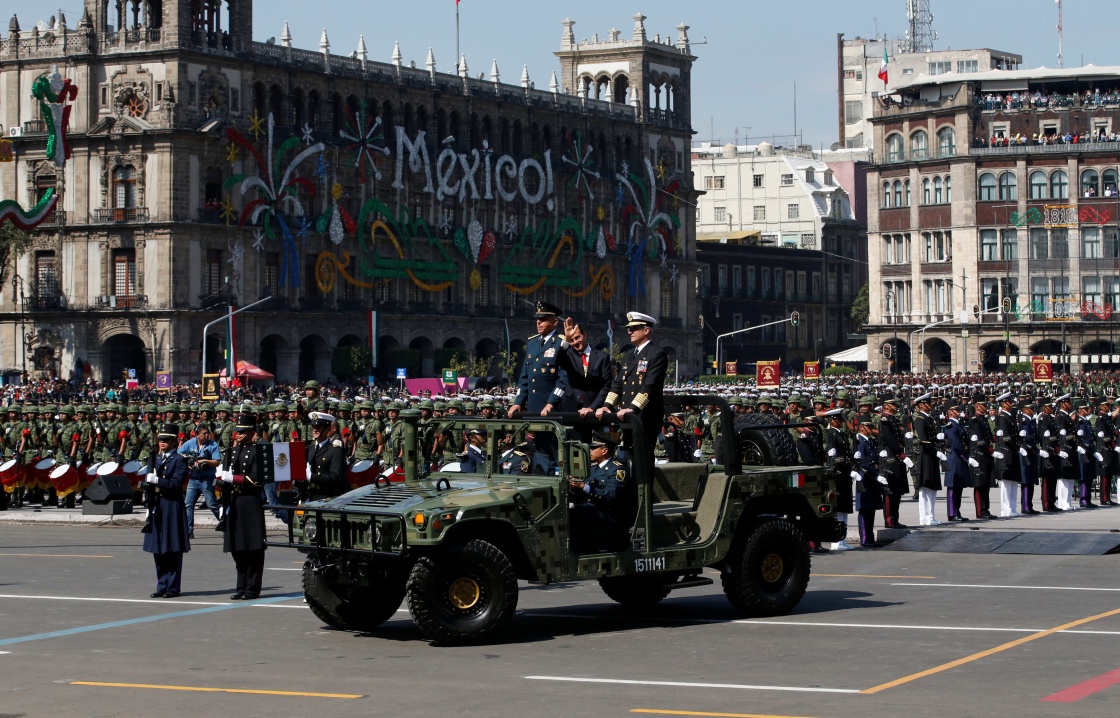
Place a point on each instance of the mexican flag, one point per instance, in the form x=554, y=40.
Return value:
x=282, y=462
x=883, y=67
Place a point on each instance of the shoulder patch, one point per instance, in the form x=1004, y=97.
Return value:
x=620, y=475
x=524, y=466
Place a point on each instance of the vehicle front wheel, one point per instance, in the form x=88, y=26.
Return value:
x=769, y=570
x=463, y=595
x=358, y=608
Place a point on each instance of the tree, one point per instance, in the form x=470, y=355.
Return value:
x=13, y=242
x=509, y=361
x=861, y=307
x=351, y=362
x=471, y=366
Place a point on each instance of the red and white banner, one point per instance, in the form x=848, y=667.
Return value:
x=768, y=374
x=812, y=370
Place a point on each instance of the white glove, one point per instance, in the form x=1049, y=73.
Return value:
x=999, y=433
x=1081, y=450
x=1100, y=434
x=1097, y=456
x=1063, y=454
x=974, y=437
x=1044, y=453
x=1062, y=432
x=883, y=454
x=1046, y=433
x=997, y=454
x=227, y=476
x=1022, y=432
x=859, y=454
x=973, y=462
x=882, y=480
x=152, y=479
x=941, y=455
x=908, y=462
x=696, y=453
x=856, y=475
x=1080, y=432
x=308, y=472
x=909, y=435
x=941, y=436
x=1022, y=451
x=1116, y=449
x=832, y=452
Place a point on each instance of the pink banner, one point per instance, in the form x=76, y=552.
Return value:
x=436, y=386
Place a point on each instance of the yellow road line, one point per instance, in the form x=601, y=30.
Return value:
x=201, y=689
x=991, y=651
x=699, y=713
x=55, y=555
x=866, y=575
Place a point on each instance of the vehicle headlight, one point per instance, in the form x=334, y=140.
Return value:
x=376, y=534
x=311, y=529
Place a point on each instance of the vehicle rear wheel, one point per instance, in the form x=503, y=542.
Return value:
x=769, y=570
x=634, y=591
x=358, y=608
x=464, y=595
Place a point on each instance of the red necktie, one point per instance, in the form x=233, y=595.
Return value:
x=584, y=364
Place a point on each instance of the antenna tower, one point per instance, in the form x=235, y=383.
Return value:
x=920, y=35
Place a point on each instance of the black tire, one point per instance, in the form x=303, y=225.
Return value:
x=769, y=570
x=760, y=446
x=464, y=595
x=359, y=608
x=634, y=591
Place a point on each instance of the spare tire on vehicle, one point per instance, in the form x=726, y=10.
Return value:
x=762, y=446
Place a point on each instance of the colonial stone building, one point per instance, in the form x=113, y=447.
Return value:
x=208, y=170
x=993, y=207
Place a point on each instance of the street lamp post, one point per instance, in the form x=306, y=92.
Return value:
x=226, y=318
x=894, y=327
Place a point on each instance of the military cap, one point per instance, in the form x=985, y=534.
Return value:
x=864, y=418
x=1006, y=396
x=169, y=432
x=637, y=319
x=321, y=417
x=889, y=399
x=923, y=399
x=834, y=413
x=545, y=309
x=604, y=438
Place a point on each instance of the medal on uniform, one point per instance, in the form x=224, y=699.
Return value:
x=549, y=353
x=643, y=365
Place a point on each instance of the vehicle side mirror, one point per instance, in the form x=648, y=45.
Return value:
x=579, y=460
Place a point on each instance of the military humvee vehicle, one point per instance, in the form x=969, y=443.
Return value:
x=454, y=545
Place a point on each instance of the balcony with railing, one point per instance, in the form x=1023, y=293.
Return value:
x=120, y=215
x=47, y=302
x=122, y=301
x=35, y=127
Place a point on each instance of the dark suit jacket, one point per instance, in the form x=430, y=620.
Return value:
x=586, y=390
x=639, y=386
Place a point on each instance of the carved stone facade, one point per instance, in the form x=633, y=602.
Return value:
x=446, y=204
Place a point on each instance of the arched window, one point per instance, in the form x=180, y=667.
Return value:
x=1109, y=182
x=938, y=190
x=886, y=195
x=926, y=196
x=1038, y=185
x=946, y=142
x=987, y=187
x=897, y=193
x=1059, y=185
x=124, y=187
x=895, y=151
x=1090, y=183
x=1008, y=188
x=919, y=145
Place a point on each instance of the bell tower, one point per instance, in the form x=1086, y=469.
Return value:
x=219, y=25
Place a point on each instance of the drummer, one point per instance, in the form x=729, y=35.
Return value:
x=202, y=472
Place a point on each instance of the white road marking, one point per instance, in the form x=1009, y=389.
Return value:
x=916, y=628
x=161, y=601
x=283, y=569
x=1030, y=588
x=681, y=684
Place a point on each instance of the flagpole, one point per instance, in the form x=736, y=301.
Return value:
x=457, y=53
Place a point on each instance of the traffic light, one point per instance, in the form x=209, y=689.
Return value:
x=886, y=351
x=701, y=321
x=976, y=310
x=794, y=318
x=1007, y=305
x=981, y=356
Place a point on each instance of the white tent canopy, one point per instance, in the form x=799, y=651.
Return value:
x=849, y=356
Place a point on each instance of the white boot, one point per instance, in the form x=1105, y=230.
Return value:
x=842, y=544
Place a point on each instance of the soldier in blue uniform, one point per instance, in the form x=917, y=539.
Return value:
x=474, y=461
x=1028, y=456
x=603, y=509
x=957, y=473
x=1087, y=453
x=544, y=378
x=870, y=486
x=167, y=541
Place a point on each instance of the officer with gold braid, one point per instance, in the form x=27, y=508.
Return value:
x=639, y=385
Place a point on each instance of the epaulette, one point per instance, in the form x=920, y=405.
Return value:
x=534, y=336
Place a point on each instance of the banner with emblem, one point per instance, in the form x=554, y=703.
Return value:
x=812, y=370
x=731, y=368
x=282, y=461
x=768, y=374
x=1042, y=369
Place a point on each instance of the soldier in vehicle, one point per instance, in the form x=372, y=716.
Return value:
x=544, y=376
x=639, y=384
x=603, y=509
x=474, y=460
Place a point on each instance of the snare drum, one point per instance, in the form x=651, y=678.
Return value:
x=361, y=474
x=131, y=469
x=42, y=473
x=110, y=468
x=10, y=473
x=64, y=479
